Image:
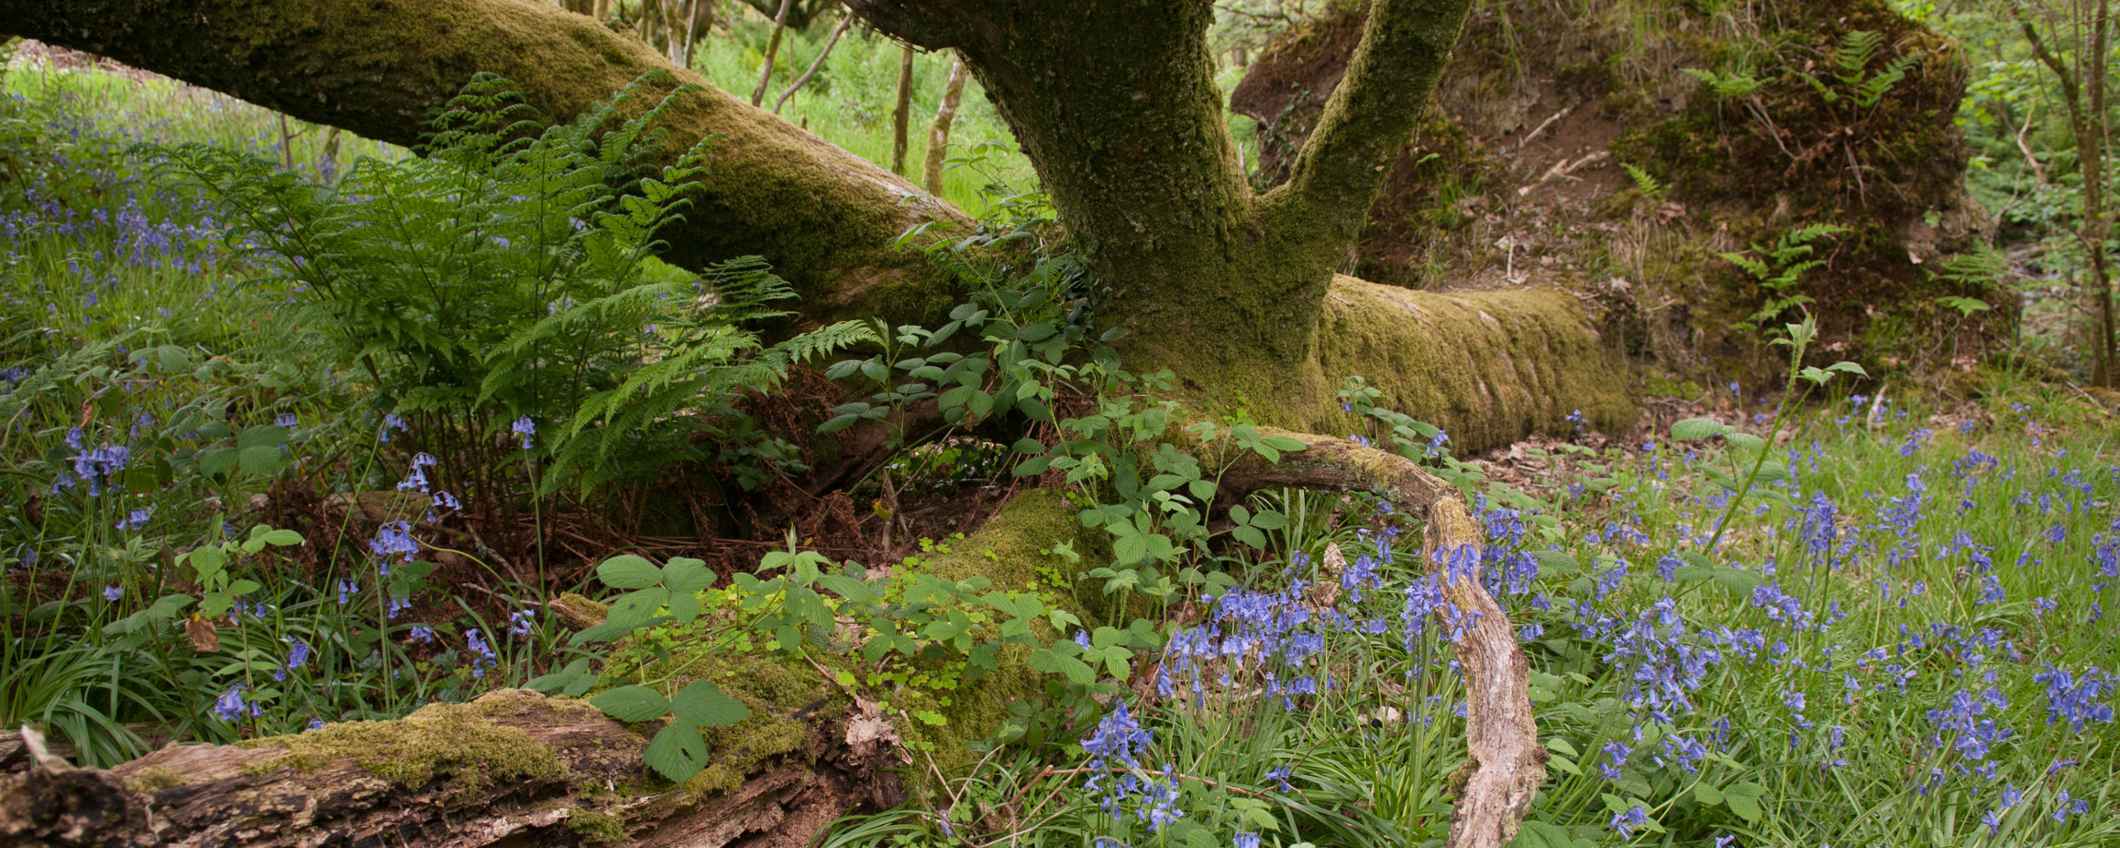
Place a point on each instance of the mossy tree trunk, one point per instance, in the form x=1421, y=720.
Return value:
x=1115, y=103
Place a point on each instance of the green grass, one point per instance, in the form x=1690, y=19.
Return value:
x=1864, y=761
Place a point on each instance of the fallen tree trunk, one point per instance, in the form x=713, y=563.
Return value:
x=825, y=218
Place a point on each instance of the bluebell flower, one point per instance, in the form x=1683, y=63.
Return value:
x=286, y=420
x=521, y=622
x=524, y=428
x=113, y=593
x=482, y=654
x=136, y=519
x=1616, y=754
x=1279, y=775
x=394, y=539
x=1625, y=823
x=2076, y=700
x=231, y=707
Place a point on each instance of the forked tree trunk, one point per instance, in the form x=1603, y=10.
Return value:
x=1115, y=103
x=938, y=149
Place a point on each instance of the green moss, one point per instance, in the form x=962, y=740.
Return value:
x=151, y=780
x=459, y=743
x=597, y=828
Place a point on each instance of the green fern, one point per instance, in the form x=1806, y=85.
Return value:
x=1646, y=183
x=1727, y=86
x=1778, y=270
x=510, y=272
x=1850, y=71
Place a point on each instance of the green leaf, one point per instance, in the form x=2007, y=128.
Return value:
x=1696, y=429
x=1743, y=799
x=677, y=752
x=627, y=571
x=637, y=607
x=1538, y=834
x=262, y=461
x=685, y=576
x=631, y=703
x=704, y=703
x=282, y=538
x=1707, y=794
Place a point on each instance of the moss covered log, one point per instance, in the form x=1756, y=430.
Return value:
x=515, y=767
x=824, y=217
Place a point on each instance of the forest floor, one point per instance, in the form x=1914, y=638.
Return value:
x=1886, y=626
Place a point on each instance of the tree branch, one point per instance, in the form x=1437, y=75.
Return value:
x=824, y=217
x=1373, y=110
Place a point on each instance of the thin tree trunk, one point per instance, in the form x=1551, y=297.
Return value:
x=938, y=149
x=702, y=23
x=328, y=157
x=765, y=73
x=902, y=117
x=2096, y=226
x=845, y=21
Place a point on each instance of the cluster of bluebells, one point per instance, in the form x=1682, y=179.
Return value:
x=1118, y=778
x=1271, y=636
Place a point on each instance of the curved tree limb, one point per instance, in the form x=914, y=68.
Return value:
x=825, y=218
x=1508, y=763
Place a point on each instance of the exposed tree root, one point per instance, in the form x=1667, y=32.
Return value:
x=1495, y=789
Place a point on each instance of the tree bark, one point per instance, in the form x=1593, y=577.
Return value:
x=545, y=776
x=765, y=71
x=938, y=149
x=1114, y=101
x=2083, y=92
x=824, y=217
x=902, y=117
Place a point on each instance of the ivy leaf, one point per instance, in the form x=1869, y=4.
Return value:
x=631, y=703
x=677, y=752
x=704, y=703
x=627, y=571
